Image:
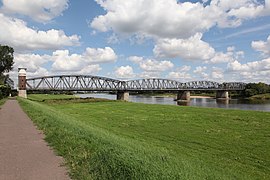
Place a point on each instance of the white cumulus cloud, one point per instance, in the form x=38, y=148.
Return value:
x=181, y=76
x=149, y=74
x=14, y=32
x=263, y=65
x=217, y=74
x=135, y=59
x=181, y=73
x=39, y=10
x=231, y=13
x=90, y=69
x=262, y=46
x=124, y=72
x=174, y=19
x=192, y=48
x=200, y=71
x=230, y=56
x=160, y=18
x=256, y=71
x=64, y=61
x=31, y=61
x=151, y=64
x=100, y=55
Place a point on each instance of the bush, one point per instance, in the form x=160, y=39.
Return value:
x=14, y=92
x=256, y=88
x=5, y=90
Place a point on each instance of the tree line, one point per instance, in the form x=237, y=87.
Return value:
x=6, y=65
x=252, y=89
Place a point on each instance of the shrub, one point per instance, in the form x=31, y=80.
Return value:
x=5, y=90
x=256, y=88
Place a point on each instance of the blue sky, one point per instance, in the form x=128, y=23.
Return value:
x=218, y=40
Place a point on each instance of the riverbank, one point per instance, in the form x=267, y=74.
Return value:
x=202, y=97
x=173, y=95
x=260, y=97
x=123, y=140
x=195, y=96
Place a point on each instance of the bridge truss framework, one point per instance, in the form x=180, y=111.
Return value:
x=96, y=83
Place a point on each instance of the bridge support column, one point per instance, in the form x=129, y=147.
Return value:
x=22, y=82
x=122, y=95
x=222, y=94
x=183, y=96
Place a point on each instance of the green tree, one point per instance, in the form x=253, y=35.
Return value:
x=6, y=59
x=6, y=64
x=256, y=88
x=5, y=90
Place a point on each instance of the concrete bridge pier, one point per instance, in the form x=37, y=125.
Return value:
x=22, y=83
x=222, y=94
x=183, y=96
x=122, y=95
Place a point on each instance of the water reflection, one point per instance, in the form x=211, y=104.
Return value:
x=200, y=102
x=223, y=101
x=183, y=103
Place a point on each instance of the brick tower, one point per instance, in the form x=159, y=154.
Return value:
x=22, y=82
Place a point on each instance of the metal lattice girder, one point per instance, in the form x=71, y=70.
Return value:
x=152, y=84
x=96, y=83
x=73, y=83
x=202, y=85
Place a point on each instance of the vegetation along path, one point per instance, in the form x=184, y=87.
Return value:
x=23, y=152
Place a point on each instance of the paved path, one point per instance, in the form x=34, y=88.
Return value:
x=24, y=155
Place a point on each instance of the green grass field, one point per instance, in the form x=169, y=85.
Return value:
x=122, y=140
x=2, y=101
x=44, y=97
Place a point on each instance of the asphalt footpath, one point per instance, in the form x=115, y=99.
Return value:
x=24, y=155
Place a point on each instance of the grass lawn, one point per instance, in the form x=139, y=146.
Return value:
x=2, y=101
x=122, y=140
x=44, y=97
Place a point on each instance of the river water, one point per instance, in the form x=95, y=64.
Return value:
x=200, y=102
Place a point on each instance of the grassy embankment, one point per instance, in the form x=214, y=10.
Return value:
x=261, y=97
x=2, y=101
x=121, y=140
x=44, y=97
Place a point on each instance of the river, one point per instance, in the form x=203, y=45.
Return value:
x=199, y=102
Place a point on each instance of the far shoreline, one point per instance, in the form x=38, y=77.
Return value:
x=193, y=97
x=202, y=97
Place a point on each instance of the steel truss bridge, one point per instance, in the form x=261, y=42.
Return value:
x=96, y=83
